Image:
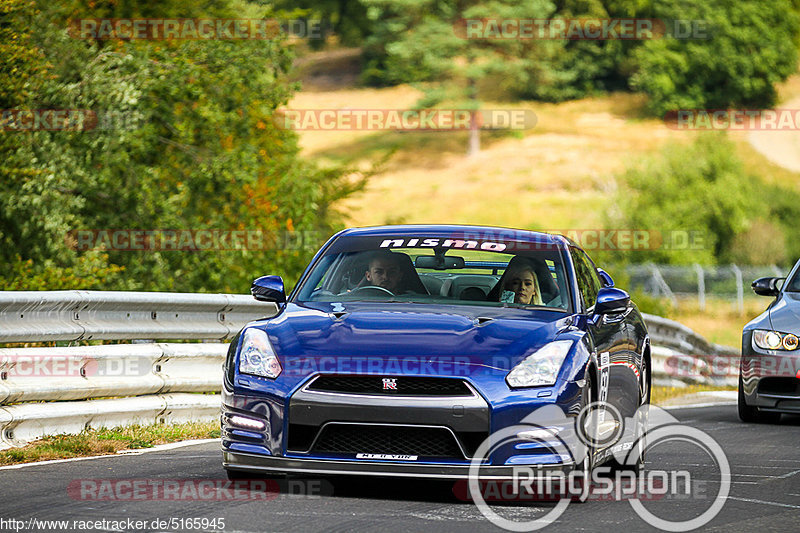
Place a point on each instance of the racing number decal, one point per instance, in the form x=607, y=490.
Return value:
x=604, y=364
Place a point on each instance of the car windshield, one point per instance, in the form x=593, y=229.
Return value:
x=364, y=270
x=793, y=285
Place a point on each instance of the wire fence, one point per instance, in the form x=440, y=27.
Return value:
x=676, y=283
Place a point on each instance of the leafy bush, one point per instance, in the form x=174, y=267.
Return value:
x=201, y=151
x=751, y=46
x=702, y=189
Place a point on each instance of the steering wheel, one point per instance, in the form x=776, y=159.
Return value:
x=372, y=288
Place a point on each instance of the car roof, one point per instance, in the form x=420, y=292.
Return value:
x=462, y=231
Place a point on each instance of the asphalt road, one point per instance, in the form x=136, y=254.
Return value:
x=764, y=494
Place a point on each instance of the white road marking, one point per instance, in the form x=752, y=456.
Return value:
x=776, y=504
x=760, y=467
x=698, y=405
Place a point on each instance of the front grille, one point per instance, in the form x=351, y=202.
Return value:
x=784, y=386
x=394, y=440
x=400, y=386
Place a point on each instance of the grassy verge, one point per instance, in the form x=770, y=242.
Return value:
x=107, y=441
x=720, y=321
x=659, y=395
x=524, y=179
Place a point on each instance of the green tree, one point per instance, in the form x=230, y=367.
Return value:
x=425, y=44
x=751, y=47
x=197, y=149
x=347, y=19
x=576, y=68
x=702, y=191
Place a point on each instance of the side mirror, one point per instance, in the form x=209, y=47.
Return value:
x=268, y=289
x=767, y=286
x=611, y=300
x=605, y=278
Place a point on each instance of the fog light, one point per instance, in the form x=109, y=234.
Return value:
x=247, y=423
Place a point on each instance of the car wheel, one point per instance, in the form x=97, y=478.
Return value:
x=644, y=392
x=640, y=435
x=750, y=413
x=639, y=432
x=587, y=464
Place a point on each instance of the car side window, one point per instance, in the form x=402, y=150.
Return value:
x=588, y=280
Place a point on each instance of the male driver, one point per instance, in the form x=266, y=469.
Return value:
x=384, y=271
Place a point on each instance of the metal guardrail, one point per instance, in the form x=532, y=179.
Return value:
x=143, y=383
x=39, y=316
x=153, y=383
x=680, y=355
x=674, y=335
x=26, y=422
x=82, y=372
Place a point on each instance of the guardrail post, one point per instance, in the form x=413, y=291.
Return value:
x=701, y=287
x=739, y=289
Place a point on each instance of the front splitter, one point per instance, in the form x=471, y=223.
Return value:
x=286, y=465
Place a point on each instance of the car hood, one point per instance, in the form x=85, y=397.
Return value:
x=785, y=314
x=487, y=336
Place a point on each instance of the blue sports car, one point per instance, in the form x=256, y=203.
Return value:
x=403, y=348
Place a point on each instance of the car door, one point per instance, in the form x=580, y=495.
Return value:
x=610, y=337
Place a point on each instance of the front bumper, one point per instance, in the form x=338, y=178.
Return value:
x=280, y=465
x=293, y=435
x=770, y=378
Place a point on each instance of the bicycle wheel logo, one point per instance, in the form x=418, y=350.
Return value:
x=598, y=433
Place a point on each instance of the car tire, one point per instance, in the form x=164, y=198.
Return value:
x=641, y=420
x=587, y=465
x=644, y=397
x=750, y=413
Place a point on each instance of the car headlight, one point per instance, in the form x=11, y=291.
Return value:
x=257, y=356
x=774, y=340
x=541, y=367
